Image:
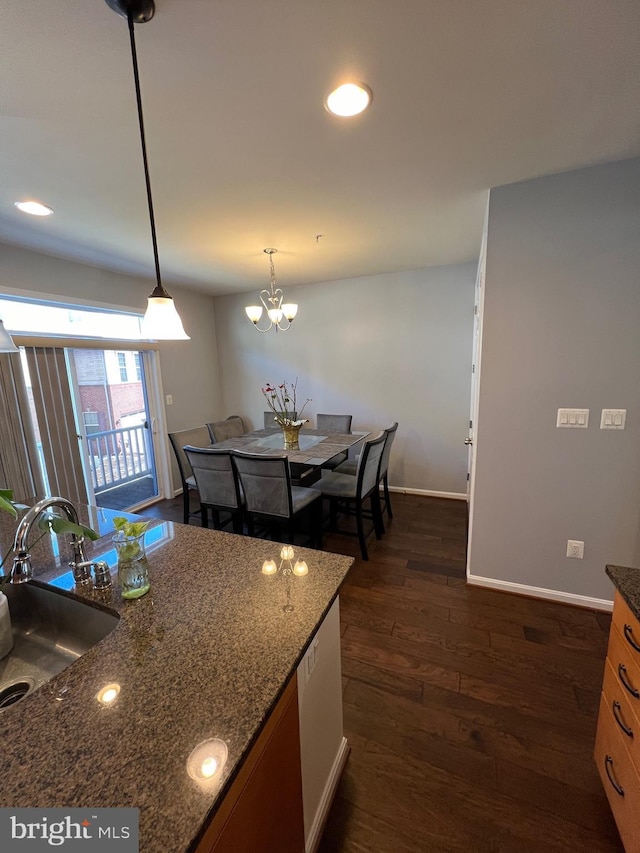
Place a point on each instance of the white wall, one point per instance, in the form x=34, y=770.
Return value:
x=384, y=348
x=189, y=368
x=561, y=328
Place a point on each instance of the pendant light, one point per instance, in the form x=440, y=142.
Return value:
x=161, y=320
x=280, y=316
x=6, y=341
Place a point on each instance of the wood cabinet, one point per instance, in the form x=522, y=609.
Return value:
x=262, y=812
x=617, y=749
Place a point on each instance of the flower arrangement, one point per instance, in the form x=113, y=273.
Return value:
x=281, y=399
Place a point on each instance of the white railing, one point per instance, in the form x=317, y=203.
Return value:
x=118, y=456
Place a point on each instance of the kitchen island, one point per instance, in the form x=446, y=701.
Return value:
x=209, y=652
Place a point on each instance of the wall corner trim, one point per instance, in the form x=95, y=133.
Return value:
x=541, y=592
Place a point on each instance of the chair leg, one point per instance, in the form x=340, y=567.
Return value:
x=387, y=497
x=376, y=514
x=185, y=504
x=361, y=537
x=237, y=522
x=333, y=514
x=204, y=516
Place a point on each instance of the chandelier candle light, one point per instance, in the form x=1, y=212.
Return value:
x=282, y=401
x=280, y=316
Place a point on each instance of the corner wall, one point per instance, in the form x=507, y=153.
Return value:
x=384, y=348
x=561, y=328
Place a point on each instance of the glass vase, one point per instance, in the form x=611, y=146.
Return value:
x=133, y=568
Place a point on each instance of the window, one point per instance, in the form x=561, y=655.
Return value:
x=136, y=358
x=38, y=317
x=122, y=364
x=91, y=422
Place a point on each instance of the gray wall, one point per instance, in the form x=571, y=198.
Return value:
x=561, y=328
x=384, y=348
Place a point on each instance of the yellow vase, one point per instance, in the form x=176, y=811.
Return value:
x=290, y=433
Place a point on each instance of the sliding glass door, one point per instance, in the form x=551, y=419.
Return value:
x=115, y=425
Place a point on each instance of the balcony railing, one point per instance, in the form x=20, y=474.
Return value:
x=118, y=456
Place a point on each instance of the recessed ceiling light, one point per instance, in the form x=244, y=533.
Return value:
x=349, y=99
x=34, y=208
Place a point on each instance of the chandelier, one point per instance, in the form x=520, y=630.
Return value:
x=161, y=320
x=280, y=316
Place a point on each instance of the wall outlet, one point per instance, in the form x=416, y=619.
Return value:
x=169, y=399
x=575, y=549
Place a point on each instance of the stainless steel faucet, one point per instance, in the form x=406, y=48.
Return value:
x=22, y=569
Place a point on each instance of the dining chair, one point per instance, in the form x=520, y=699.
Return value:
x=199, y=437
x=269, y=495
x=229, y=428
x=270, y=422
x=334, y=423
x=217, y=484
x=350, y=467
x=347, y=493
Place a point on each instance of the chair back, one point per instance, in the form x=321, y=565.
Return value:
x=269, y=419
x=390, y=434
x=266, y=483
x=369, y=464
x=198, y=437
x=222, y=430
x=334, y=423
x=215, y=476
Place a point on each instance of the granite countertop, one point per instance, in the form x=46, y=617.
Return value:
x=627, y=582
x=205, y=654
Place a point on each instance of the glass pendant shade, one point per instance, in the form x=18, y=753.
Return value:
x=254, y=312
x=161, y=321
x=290, y=309
x=6, y=341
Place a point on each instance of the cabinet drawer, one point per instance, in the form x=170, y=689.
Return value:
x=625, y=720
x=619, y=778
x=626, y=668
x=628, y=626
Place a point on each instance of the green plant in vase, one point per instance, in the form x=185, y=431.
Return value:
x=133, y=567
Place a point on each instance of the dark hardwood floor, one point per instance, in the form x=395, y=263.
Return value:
x=470, y=713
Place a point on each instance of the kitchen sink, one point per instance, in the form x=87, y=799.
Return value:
x=51, y=630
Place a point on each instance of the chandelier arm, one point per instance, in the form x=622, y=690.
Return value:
x=159, y=290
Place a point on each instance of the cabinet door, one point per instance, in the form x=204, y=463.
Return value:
x=262, y=812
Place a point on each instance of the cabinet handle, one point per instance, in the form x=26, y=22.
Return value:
x=622, y=674
x=608, y=761
x=616, y=711
x=628, y=635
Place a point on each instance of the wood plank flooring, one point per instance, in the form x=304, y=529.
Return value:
x=470, y=713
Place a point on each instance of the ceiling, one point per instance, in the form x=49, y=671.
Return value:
x=467, y=94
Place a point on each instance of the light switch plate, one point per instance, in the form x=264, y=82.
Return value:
x=572, y=419
x=613, y=419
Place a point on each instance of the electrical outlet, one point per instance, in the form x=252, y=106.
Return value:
x=575, y=549
x=169, y=399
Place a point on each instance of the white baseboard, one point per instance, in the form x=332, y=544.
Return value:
x=315, y=833
x=541, y=592
x=456, y=496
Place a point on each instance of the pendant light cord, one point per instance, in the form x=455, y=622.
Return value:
x=159, y=290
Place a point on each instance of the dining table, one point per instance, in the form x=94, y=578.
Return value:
x=316, y=447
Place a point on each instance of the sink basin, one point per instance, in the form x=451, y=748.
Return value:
x=51, y=630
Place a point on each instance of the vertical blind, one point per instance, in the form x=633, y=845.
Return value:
x=19, y=468
x=54, y=411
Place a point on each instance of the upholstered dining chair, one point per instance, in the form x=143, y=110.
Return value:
x=350, y=467
x=199, y=437
x=270, y=422
x=270, y=497
x=334, y=423
x=229, y=428
x=217, y=484
x=348, y=494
